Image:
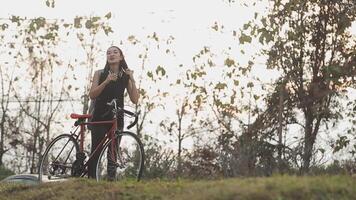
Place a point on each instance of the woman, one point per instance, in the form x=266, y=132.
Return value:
x=109, y=83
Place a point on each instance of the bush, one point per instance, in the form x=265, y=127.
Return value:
x=5, y=172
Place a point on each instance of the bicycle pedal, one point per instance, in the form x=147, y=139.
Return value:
x=80, y=156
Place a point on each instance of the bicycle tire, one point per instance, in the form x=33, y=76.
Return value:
x=129, y=145
x=44, y=166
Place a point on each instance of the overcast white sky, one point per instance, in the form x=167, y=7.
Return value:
x=189, y=21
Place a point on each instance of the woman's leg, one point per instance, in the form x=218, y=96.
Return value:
x=112, y=157
x=97, y=135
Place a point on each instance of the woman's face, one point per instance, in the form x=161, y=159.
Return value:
x=113, y=55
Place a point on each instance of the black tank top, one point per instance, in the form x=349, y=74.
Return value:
x=113, y=90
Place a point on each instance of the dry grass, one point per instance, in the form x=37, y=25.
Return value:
x=273, y=188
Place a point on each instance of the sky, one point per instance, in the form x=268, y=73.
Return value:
x=189, y=21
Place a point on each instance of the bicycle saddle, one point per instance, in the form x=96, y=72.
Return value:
x=79, y=116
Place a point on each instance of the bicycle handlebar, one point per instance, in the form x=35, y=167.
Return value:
x=114, y=104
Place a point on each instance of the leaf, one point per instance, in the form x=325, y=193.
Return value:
x=150, y=74
x=220, y=86
x=4, y=26
x=108, y=16
x=132, y=39
x=50, y=3
x=265, y=36
x=107, y=30
x=77, y=22
x=322, y=150
x=49, y=36
x=210, y=63
x=215, y=27
x=95, y=19
x=15, y=19
x=155, y=37
x=264, y=21
x=341, y=143
x=245, y=38
x=160, y=70
x=88, y=24
x=245, y=26
x=232, y=99
x=229, y=62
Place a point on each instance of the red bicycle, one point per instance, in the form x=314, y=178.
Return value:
x=121, y=157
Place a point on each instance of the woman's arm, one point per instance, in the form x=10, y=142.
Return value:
x=131, y=87
x=133, y=91
x=96, y=89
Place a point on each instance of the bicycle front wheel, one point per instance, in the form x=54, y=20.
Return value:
x=58, y=159
x=121, y=158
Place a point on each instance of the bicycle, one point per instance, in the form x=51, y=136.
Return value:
x=122, y=151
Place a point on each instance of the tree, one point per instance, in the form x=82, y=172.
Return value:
x=42, y=102
x=5, y=118
x=41, y=91
x=310, y=44
x=88, y=30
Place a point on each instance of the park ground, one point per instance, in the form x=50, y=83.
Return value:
x=264, y=188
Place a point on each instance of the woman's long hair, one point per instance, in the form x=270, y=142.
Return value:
x=122, y=64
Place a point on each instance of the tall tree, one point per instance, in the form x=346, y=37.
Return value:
x=310, y=43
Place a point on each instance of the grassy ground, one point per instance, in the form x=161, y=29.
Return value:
x=5, y=172
x=276, y=188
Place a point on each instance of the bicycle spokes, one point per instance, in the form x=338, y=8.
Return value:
x=125, y=161
x=58, y=159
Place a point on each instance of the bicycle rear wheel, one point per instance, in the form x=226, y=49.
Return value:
x=57, y=161
x=124, y=162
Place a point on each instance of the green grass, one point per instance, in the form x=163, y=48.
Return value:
x=5, y=172
x=276, y=188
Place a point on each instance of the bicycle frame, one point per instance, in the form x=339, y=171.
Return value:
x=77, y=136
x=108, y=135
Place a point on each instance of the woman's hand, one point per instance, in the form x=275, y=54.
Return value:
x=131, y=87
x=111, y=77
x=130, y=72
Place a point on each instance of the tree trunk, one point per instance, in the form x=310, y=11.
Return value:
x=34, y=152
x=280, y=127
x=180, y=139
x=309, y=140
x=1, y=156
x=2, y=150
x=179, y=167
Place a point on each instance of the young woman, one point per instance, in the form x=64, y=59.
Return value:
x=109, y=83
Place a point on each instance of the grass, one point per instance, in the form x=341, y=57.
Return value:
x=272, y=188
x=5, y=172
